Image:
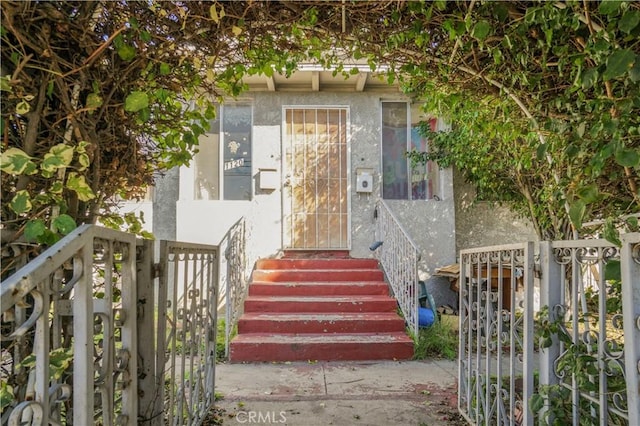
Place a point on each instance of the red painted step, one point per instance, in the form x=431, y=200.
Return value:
x=291, y=275
x=301, y=323
x=320, y=347
x=335, y=288
x=317, y=264
x=361, y=303
x=307, y=307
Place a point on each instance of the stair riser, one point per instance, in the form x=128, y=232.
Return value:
x=319, y=306
x=317, y=275
x=260, y=352
x=346, y=289
x=317, y=264
x=310, y=326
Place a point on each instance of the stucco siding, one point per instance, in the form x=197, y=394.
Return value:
x=482, y=223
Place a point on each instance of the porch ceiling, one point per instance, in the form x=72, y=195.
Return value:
x=317, y=80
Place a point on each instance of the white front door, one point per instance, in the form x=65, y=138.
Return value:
x=315, y=194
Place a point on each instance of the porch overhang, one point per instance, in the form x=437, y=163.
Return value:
x=313, y=78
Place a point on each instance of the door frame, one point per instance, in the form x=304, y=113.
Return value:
x=283, y=146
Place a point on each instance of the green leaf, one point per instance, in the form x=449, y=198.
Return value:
x=22, y=108
x=609, y=7
x=576, y=213
x=634, y=72
x=589, y=78
x=63, y=224
x=144, y=114
x=126, y=52
x=136, y=101
x=541, y=151
x=84, y=161
x=213, y=12
x=15, y=162
x=59, y=156
x=612, y=271
x=611, y=233
x=94, y=101
x=64, y=152
x=56, y=187
x=78, y=184
x=164, y=69
x=536, y=402
x=6, y=395
x=5, y=84
x=629, y=21
x=588, y=194
x=627, y=157
x=34, y=229
x=618, y=63
x=481, y=30
x=21, y=202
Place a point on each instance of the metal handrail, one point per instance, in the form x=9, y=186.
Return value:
x=236, y=279
x=399, y=256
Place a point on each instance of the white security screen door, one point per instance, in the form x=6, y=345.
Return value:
x=315, y=196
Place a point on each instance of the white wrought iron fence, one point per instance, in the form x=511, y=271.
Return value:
x=235, y=282
x=90, y=336
x=577, y=360
x=399, y=257
x=496, y=345
x=69, y=347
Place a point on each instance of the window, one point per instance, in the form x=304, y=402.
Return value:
x=223, y=164
x=401, y=181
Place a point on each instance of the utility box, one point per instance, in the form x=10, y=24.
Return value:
x=364, y=180
x=268, y=179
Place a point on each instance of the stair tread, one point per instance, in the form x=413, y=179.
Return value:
x=323, y=338
x=320, y=270
x=323, y=316
x=328, y=283
x=326, y=263
x=319, y=298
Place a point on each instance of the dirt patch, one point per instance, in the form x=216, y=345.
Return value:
x=444, y=402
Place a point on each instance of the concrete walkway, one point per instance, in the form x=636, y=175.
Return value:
x=417, y=393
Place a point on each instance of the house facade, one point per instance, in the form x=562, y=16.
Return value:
x=304, y=160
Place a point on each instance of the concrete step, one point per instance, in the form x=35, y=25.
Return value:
x=317, y=304
x=335, y=288
x=298, y=323
x=312, y=308
x=317, y=264
x=299, y=275
x=262, y=347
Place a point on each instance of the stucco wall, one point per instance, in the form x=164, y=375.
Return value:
x=480, y=224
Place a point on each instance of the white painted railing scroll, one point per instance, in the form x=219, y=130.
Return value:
x=496, y=335
x=587, y=370
x=69, y=335
x=399, y=257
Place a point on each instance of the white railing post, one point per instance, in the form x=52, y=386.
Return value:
x=128, y=358
x=630, y=268
x=83, y=372
x=528, y=332
x=146, y=329
x=551, y=288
